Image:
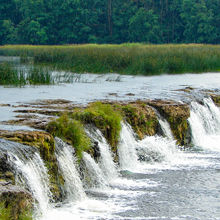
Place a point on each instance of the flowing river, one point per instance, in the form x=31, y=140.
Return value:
x=170, y=184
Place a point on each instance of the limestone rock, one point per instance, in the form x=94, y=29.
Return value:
x=15, y=202
x=176, y=114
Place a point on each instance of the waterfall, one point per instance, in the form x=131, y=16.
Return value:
x=106, y=159
x=67, y=165
x=158, y=149
x=96, y=176
x=30, y=171
x=127, y=148
x=205, y=125
x=133, y=154
x=165, y=128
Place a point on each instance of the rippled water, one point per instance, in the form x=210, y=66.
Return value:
x=178, y=185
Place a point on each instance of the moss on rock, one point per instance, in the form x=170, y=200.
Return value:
x=44, y=142
x=176, y=114
x=39, y=139
x=105, y=118
x=15, y=203
x=72, y=131
x=142, y=118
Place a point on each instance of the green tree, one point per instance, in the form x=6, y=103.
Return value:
x=144, y=27
x=198, y=21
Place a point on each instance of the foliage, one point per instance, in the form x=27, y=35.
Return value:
x=123, y=58
x=72, y=131
x=96, y=21
x=39, y=76
x=9, y=76
x=104, y=117
x=34, y=76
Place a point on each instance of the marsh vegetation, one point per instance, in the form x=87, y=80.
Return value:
x=141, y=59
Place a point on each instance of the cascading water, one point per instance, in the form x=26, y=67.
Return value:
x=127, y=148
x=205, y=125
x=67, y=165
x=138, y=155
x=30, y=171
x=165, y=128
x=158, y=149
x=106, y=159
x=96, y=176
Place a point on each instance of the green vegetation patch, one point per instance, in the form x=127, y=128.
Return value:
x=9, y=76
x=71, y=131
x=36, y=75
x=142, y=59
x=104, y=117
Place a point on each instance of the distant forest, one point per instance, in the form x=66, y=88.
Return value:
x=109, y=21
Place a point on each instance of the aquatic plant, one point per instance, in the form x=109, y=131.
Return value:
x=10, y=76
x=39, y=76
x=36, y=75
x=124, y=58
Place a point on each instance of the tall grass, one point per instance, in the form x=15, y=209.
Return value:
x=10, y=76
x=125, y=58
x=34, y=76
x=39, y=76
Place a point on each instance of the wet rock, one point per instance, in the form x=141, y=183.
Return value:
x=176, y=114
x=15, y=202
x=130, y=94
x=39, y=139
x=5, y=105
x=6, y=173
x=142, y=118
x=45, y=144
x=187, y=89
x=216, y=99
x=30, y=120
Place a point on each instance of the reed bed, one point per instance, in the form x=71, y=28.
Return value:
x=132, y=59
x=15, y=77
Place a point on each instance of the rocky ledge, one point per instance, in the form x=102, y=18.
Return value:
x=15, y=202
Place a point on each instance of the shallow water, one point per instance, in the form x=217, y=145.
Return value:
x=114, y=87
x=182, y=185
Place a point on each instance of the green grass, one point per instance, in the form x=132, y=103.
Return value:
x=140, y=59
x=10, y=76
x=72, y=131
x=34, y=76
x=70, y=127
x=104, y=117
x=39, y=76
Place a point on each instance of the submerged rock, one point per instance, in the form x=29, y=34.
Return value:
x=15, y=202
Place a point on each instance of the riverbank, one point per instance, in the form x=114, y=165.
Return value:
x=134, y=59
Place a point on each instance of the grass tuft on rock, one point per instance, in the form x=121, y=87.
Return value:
x=71, y=131
x=104, y=117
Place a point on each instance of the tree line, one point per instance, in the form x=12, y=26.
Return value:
x=109, y=21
